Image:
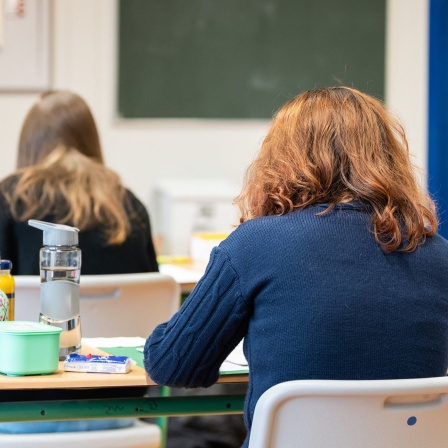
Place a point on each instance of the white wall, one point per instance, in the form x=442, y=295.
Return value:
x=407, y=71
x=84, y=60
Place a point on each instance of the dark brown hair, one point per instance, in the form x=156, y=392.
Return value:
x=61, y=171
x=59, y=117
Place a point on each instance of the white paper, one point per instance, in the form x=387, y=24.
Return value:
x=181, y=275
x=227, y=367
x=236, y=360
x=113, y=342
x=237, y=356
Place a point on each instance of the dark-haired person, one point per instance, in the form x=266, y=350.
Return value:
x=336, y=270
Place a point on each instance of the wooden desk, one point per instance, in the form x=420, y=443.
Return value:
x=109, y=408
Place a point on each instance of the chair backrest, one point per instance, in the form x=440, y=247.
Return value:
x=407, y=413
x=27, y=297
x=111, y=305
x=139, y=435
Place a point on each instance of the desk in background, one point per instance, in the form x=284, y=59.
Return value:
x=186, y=273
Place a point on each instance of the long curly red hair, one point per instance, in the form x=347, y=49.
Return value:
x=336, y=145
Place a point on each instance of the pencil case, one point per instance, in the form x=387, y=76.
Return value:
x=97, y=363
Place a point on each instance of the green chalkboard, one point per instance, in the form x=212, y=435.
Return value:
x=243, y=58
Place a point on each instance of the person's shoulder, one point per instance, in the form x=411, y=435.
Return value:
x=131, y=196
x=135, y=207
x=437, y=240
x=256, y=225
x=8, y=185
x=433, y=250
x=9, y=181
x=133, y=200
x=272, y=222
x=263, y=227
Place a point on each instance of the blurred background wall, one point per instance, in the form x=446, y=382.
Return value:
x=83, y=58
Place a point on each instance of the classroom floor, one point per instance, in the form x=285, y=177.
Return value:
x=206, y=432
x=213, y=431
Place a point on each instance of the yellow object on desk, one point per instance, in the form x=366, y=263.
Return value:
x=173, y=259
x=7, y=285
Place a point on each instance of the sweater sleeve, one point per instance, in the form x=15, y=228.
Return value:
x=188, y=350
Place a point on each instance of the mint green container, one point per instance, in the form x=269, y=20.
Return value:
x=28, y=348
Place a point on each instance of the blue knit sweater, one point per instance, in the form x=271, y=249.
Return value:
x=314, y=297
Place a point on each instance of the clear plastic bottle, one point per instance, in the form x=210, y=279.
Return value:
x=60, y=270
x=7, y=285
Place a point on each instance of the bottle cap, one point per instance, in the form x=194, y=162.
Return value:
x=5, y=264
x=56, y=234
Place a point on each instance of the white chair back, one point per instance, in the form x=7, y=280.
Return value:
x=139, y=435
x=111, y=305
x=27, y=297
x=411, y=413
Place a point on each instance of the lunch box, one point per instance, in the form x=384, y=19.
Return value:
x=28, y=348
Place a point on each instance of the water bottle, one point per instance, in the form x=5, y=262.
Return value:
x=60, y=270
